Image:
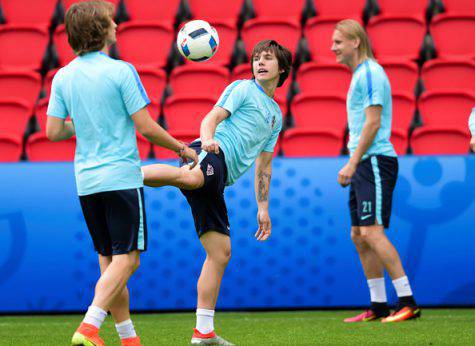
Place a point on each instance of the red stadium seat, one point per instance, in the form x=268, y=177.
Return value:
x=446, y=108
x=404, y=107
x=312, y=142
x=145, y=44
x=24, y=85
x=459, y=6
x=216, y=11
x=63, y=49
x=318, y=110
x=396, y=37
x=186, y=137
x=319, y=32
x=404, y=7
x=399, y=141
x=244, y=71
x=40, y=113
x=185, y=112
x=323, y=78
x=22, y=47
x=154, y=82
x=453, y=35
x=279, y=9
x=206, y=79
x=430, y=140
x=40, y=148
x=10, y=147
x=227, y=40
x=14, y=116
x=143, y=145
x=340, y=8
x=68, y=3
x=152, y=10
x=440, y=74
x=28, y=11
x=286, y=32
x=403, y=75
x=47, y=83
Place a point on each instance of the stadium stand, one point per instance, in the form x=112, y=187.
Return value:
x=400, y=141
x=446, y=108
x=404, y=107
x=404, y=7
x=449, y=44
x=459, y=6
x=22, y=46
x=154, y=82
x=40, y=148
x=279, y=9
x=29, y=12
x=217, y=11
x=450, y=141
x=185, y=137
x=14, y=116
x=403, y=75
x=10, y=147
x=185, y=112
x=323, y=78
x=64, y=52
x=152, y=10
x=340, y=8
x=312, y=142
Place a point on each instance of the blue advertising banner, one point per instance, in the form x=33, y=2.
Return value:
x=47, y=262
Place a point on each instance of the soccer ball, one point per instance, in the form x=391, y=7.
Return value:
x=197, y=40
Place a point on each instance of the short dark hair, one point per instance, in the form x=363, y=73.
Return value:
x=283, y=55
x=87, y=25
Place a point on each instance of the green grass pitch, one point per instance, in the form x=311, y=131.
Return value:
x=436, y=327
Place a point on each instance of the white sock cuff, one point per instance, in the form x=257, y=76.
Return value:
x=377, y=290
x=97, y=310
x=376, y=281
x=204, y=312
x=402, y=286
x=124, y=323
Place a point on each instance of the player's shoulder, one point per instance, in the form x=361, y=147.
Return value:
x=372, y=71
x=240, y=84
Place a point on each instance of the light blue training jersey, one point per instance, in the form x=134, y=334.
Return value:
x=471, y=122
x=369, y=87
x=252, y=127
x=100, y=95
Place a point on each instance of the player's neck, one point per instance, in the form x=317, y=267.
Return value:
x=356, y=61
x=268, y=86
x=105, y=50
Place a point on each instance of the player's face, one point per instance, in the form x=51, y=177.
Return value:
x=265, y=66
x=343, y=48
x=111, y=38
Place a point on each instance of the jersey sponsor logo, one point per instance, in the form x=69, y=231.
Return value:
x=209, y=170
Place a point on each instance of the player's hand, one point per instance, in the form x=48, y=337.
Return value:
x=189, y=154
x=265, y=226
x=210, y=146
x=345, y=174
x=472, y=143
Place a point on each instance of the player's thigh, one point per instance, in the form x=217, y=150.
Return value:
x=104, y=262
x=190, y=179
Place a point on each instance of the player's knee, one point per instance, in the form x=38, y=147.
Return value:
x=222, y=257
x=188, y=180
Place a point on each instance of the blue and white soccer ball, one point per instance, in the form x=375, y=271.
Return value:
x=197, y=40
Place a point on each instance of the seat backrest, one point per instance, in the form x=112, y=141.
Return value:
x=40, y=148
x=28, y=11
x=211, y=10
x=22, y=85
x=317, y=110
x=287, y=33
x=10, y=148
x=448, y=74
x=154, y=82
x=404, y=107
x=406, y=33
x=448, y=44
x=165, y=154
x=459, y=6
x=133, y=37
x=399, y=141
x=450, y=141
x=340, y=8
x=63, y=49
x=403, y=75
x=323, y=78
x=191, y=79
x=403, y=7
x=279, y=9
x=14, y=116
x=22, y=47
x=446, y=108
x=185, y=112
x=152, y=10
x=309, y=142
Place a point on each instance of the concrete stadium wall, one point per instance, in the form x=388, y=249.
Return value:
x=47, y=262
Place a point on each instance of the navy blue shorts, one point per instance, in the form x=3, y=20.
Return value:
x=371, y=191
x=116, y=221
x=207, y=203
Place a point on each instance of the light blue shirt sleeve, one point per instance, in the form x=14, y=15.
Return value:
x=372, y=88
x=132, y=90
x=56, y=106
x=232, y=97
x=273, y=140
x=471, y=122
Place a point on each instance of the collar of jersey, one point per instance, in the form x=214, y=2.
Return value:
x=362, y=63
x=261, y=89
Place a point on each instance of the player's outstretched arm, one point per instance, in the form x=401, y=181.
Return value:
x=57, y=129
x=370, y=129
x=261, y=185
x=158, y=136
x=208, y=128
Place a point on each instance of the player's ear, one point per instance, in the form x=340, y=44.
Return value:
x=356, y=43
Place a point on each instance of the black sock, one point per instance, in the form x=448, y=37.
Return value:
x=407, y=301
x=380, y=309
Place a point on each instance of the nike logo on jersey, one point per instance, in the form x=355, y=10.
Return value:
x=209, y=170
x=366, y=217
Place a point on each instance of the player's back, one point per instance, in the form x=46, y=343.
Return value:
x=100, y=94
